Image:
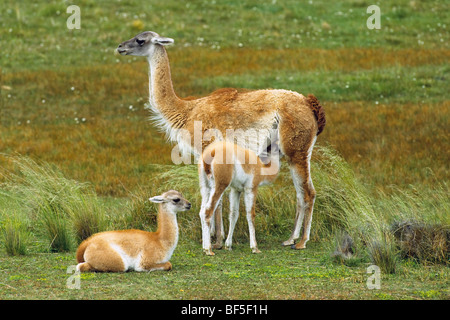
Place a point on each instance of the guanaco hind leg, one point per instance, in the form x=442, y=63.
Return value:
x=233, y=216
x=250, y=203
x=102, y=258
x=305, y=202
x=206, y=213
x=305, y=193
x=217, y=226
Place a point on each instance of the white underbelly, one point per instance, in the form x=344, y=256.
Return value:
x=130, y=263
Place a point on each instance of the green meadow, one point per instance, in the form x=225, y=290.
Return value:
x=79, y=155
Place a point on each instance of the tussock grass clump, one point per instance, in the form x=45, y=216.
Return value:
x=65, y=211
x=15, y=235
x=55, y=225
x=343, y=203
x=276, y=207
x=384, y=253
x=345, y=214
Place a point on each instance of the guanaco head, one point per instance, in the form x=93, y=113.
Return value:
x=143, y=44
x=173, y=200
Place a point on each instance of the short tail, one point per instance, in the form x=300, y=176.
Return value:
x=80, y=251
x=318, y=111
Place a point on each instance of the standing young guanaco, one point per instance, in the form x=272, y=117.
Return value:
x=223, y=165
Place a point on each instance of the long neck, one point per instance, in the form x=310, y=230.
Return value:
x=163, y=99
x=167, y=226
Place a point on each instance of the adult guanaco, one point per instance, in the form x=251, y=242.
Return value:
x=298, y=119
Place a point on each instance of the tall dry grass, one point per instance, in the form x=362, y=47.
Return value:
x=63, y=211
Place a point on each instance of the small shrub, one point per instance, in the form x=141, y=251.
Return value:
x=344, y=248
x=421, y=241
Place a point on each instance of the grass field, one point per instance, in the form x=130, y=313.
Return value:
x=78, y=112
x=274, y=274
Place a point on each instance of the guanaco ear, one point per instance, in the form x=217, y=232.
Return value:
x=162, y=40
x=158, y=199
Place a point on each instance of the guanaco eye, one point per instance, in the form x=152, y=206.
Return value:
x=140, y=42
x=176, y=200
